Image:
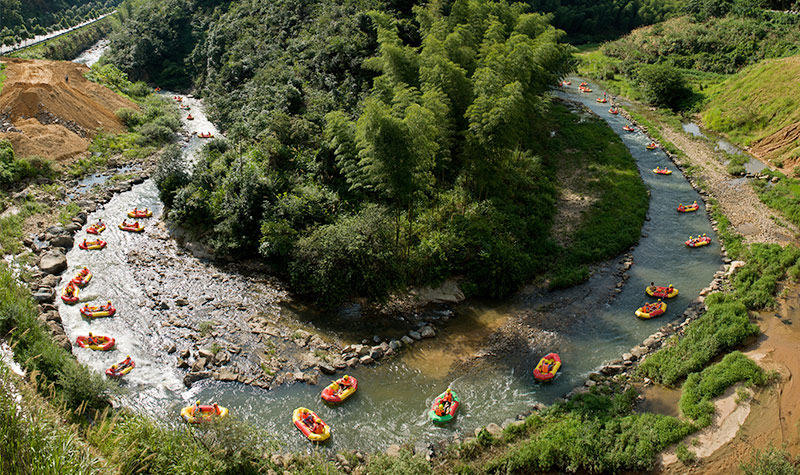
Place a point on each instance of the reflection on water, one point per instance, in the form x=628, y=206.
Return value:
x=394, y=397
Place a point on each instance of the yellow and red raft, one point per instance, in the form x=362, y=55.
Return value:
x=650, y=310
x=95, y=342
x=698, y=241
x=82, y=278
x=315, y=429
x=547, y=367
x=340, y=389
x=106, y=310
x=70, y=293
x=208, y=412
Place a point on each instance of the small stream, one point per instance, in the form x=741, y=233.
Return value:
x=752, y=165
x=393, y=398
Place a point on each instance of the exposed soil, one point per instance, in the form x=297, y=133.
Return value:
x=775, y=411
x=47, y=115
x=778, y=144
x=749, y=216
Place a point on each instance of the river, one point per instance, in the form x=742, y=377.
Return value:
x=393, y=398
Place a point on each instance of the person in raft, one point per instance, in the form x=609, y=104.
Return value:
x=90, y=340
x=346, y=383
x=312, y=424
x=335, y=388
x=70, y=291
x=125, y=363
x=440, y=409
x=447, y=400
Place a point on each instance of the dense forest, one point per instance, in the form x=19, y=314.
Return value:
x=23, y=19
x=371, y=145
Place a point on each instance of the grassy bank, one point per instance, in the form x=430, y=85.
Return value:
x=54, y=369
x=601, y=169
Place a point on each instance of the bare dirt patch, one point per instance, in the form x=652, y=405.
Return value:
x=572, y=201
x=53, y=111
x=779, y=144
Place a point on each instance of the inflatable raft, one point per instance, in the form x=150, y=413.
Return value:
x=106, y=310
x=98, y=343
x=131, y=227
x=661, y=292
x=688, y=209
x=82, y=278
x=70, y=293
x=96, y=228
x=140, y=213
x=651, y=310
x=450, y=408
x=601, y=100
x=320, y=430
x=208, y=413
x=628, y=128
x=92, y=245
x=205, y=135
x=340, y=389
x=699, y=241
x=121, y=369
x=613, y=111
x=651, y=146
x=547, y=367
x=189, y=117
x=662, y=171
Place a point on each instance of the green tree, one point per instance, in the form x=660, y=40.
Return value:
x=663, y=85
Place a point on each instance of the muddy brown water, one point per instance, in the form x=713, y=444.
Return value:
x=393, y=398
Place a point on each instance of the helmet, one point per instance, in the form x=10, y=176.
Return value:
x=90, y=333
x=113, y=366
x=198, y=402
x=448, y=391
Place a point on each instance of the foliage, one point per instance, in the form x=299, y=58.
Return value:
x=782, y=195
x=770, y=461
x=352, y=255
x=587, y=21
x=700, y=388
x=595, y=433
x=608, y=173
x=662, y=85
x=684, y=454
x=722, y=45
x=13, y=170
x=170, y=174
x=137, y=444
x=33, y=440
x=24, y=19
x=404, y=464
x=36, y=351
x=443, y=143
x=68, y=46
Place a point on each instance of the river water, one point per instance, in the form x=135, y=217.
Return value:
x=393, y=398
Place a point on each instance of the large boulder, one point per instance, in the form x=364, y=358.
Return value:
x=44, y=294
x=53, y=263
x=65, y=241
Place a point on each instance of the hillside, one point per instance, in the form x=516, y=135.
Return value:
x=44, y=115
x=759, y=108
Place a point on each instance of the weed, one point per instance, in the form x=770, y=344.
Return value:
x=683, y=453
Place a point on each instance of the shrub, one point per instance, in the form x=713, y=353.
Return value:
x=663, y=85
x=700, y=388
x=129, y=117
x=771, y=461
x=353, y=256
x=170, y=174
x=154, y=134
x=684, y=454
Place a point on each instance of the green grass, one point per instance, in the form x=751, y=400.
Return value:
x=35, y=441
x=756, y=103
x=783, y=196
x=593, y=433
x=700, y=388
x=771, y=461
x=53, y=368
x=11, y=232
x=614, y=222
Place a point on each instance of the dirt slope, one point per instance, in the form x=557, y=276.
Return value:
x=50, y=116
